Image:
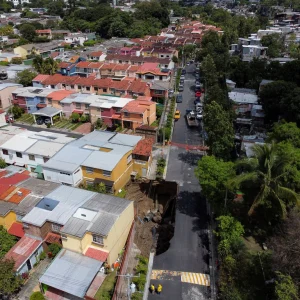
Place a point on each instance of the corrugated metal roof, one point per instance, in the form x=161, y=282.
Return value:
x=6, y=207
x=44, y=148
x=76, y=227
x=71, y=272
x=102, y=223
x=47, y=111
x=19, y=142
x=39, y=187
x=68, y=198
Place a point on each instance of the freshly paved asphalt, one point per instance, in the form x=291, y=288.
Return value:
x=188, y=248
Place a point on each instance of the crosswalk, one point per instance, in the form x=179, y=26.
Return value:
x=195, y=278
x=189, y=277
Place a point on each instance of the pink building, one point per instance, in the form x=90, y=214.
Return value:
x=6, y=98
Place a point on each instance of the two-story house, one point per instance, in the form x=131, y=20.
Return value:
x=96, y=55
x=97, y=157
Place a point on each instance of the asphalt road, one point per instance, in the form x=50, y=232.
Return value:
x=188, y=251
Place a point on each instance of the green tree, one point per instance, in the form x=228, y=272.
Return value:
x=285, y=288
x=16, y=110
x=209, y=68
x=45, y=66
x=286, y=132
x=75, y=117
x=213, y=175
x=264, y=172
x=10, y=283
x=100, y=188
x=275, y=44
x=2, y=163
x=6, y=241
x=25, y=77
x=220, y=134
x=6, y=30
x=37, y=296
x=28, y=32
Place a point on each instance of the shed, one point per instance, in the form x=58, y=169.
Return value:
x=49, y=112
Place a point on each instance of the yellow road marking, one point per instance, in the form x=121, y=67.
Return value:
x=189, y=277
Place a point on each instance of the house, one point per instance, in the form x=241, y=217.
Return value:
x=257, y=114
x=159, y=90
x=251, y=51
x=37, y=81
x=54, y=98
x=25, y=50
x=142, y=156
x=44, y=33
x=137, y=113
x=96, y=55
x=25, y=254
x=6, y=90
x=78, y=38
x=99, y=156
x=151, y=71
x=7, y=56
x=30, y=149
x=243, y=99
x=70, y=276
x=30, y=99
x=99, y=227
x=13, y=70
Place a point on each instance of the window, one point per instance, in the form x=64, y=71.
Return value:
x=126, y=114
x=52, y=86
x=106, y=173
x=78, y=105
x=64, y=237
x=45, y=159
x=62, y=104
x=104, y=90
x=129, y=159
x=88, y=88
x=31, y=157
x=49, y=101
x=98, y=239
x=98, y=109
x=5, y=152
x=86, y=106
x=96, y=89
x=63, y=85
x=55, y=227
x=118, y=109
x=28, y=108
x=79, y=87
x=64, y=173
x=89, y=170
x=72, y=86
x=42, y=100
x=19, y=154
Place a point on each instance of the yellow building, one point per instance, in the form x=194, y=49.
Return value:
x=7, y=217
x=99, y=228
x=25, y=50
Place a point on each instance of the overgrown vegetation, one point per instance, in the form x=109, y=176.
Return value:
x=106, y=289
x=53, y=250
x=141, y=271
x=7, y=241
x=160, y=168
x=37, y=296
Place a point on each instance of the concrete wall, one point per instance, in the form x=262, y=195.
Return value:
x=62, y=177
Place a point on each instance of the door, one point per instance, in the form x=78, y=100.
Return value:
x=144, y=172
x=28, y=265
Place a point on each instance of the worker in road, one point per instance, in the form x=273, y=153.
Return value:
x=159, y=289
x=152, y=288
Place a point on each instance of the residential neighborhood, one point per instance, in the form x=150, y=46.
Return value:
x=149, y=150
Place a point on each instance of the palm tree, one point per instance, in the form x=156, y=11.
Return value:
x=266, y=171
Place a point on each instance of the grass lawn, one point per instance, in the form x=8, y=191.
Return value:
x=66, y=124
x=155, y=123
x=107, y=288
x=26, y=118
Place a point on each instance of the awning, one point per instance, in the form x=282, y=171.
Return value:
x=16, y=229
x=96, y=254
x=41, y=105
x=77, y=111
x=53, y=238
x=106, y=182
x=116, y=116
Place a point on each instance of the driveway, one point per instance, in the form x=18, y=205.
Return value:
x=188, y=251
x=32, y=285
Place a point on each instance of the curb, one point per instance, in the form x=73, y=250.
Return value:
x=147, y=284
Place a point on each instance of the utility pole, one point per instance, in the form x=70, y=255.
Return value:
x=128, y=277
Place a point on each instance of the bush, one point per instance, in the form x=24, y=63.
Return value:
x=17, y=111
x=53, y=250
x=83, y=119
x=42, y=255
x=89, y=43
x=75, y=117
x=17, y=60
x=4, y=63
x=2, y=163
x=140, y=282
x=136, y=296
x=25, y=275
x=37, y=296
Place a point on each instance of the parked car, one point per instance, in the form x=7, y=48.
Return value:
x=181, y=81
x=39, y=121
x=188, y=63
x=47, y=121
x=199, y=116
x=179, y=98
x=180, y=88
x=182, y=77
x=198, y=94
x=183, y=71
x=177, y=115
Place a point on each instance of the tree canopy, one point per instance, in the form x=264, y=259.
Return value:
x=6, y=241
x=25, y=77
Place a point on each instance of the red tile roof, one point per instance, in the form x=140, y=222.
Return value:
x=40, y=77
x=53, y=80
x=95, y=65
x=121, y=67
x=22, y=250
x=59, y=95
x=54, y=54
x=53, y=238
x=96, y=254
x=15, y=178
x=96, y=53
x=15, y=195
x=83, y=64
x=138, y=87
x=16, y=229
x=63, y=65
x=144, y=98
x=143, y=147
x=41, y=105
x=137, y=106
x=43, y=31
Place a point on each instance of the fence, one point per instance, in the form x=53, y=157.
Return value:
x=121, y=284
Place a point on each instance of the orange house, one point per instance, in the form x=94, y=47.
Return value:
x=55, y=97
x=137, y=113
